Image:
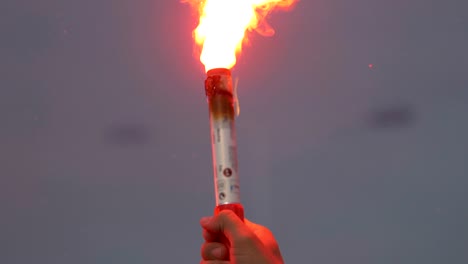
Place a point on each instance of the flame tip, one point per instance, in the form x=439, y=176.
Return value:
x=223, y=24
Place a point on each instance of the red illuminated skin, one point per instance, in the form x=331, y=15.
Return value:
x=245, y=243
x=238, y=209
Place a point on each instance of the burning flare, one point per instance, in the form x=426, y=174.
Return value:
x=223, y=25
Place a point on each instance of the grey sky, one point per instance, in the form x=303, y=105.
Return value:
x=104, y=137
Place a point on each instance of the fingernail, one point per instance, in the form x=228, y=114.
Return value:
x=217, y=252
x=205, y=220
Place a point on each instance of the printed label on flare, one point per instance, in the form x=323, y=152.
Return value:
x=225, y=162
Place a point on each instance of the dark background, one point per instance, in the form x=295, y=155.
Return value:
x=352, y=135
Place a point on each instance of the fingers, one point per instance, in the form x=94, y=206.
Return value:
x=210, y=237
x=229, y=224
x=228, y=237
x=214, y=251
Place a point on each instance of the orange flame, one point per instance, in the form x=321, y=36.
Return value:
x=223, y=25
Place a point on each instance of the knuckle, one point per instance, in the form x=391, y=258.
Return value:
x=205, y=251
x=207, y=236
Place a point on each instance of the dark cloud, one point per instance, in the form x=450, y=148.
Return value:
x=392, y=117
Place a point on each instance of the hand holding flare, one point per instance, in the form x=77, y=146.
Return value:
x=221, y=31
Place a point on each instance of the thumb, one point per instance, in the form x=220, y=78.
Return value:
x=229, y=224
